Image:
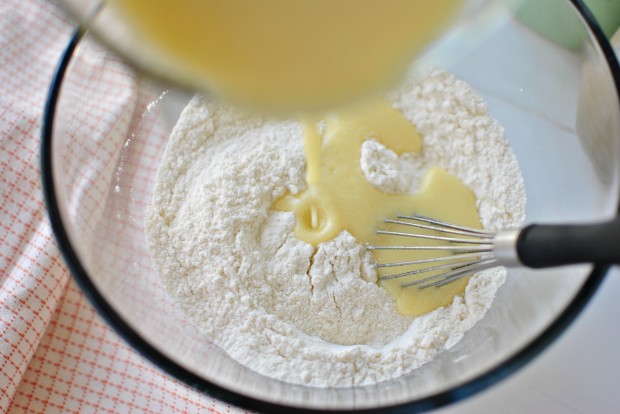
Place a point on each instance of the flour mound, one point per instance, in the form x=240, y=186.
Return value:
x=270, y=300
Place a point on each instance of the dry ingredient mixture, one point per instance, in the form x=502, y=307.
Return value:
x=270, y=300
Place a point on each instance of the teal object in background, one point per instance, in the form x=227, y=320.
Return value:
x=555, y=20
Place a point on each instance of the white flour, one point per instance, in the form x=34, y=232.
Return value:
x=238, y=271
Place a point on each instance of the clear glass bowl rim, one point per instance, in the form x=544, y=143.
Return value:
x=111, y=316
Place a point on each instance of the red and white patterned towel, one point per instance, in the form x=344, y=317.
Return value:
x=56, y=353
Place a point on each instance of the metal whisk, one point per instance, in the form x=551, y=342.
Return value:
x=469, y=250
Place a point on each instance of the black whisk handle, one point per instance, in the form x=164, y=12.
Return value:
x=555, y=245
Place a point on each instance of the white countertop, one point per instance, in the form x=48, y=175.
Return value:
x=578, y=373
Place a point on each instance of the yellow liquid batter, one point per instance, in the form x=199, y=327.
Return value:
x=287, y=54
x=339, y=197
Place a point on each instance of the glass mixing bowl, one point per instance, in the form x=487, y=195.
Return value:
x=105, y=130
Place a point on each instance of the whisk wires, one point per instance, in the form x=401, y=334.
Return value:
x=467, y=250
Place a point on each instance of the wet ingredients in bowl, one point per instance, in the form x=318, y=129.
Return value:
x=338, y=197
x=309, y=314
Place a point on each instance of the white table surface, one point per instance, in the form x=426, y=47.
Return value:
x=578, y=373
